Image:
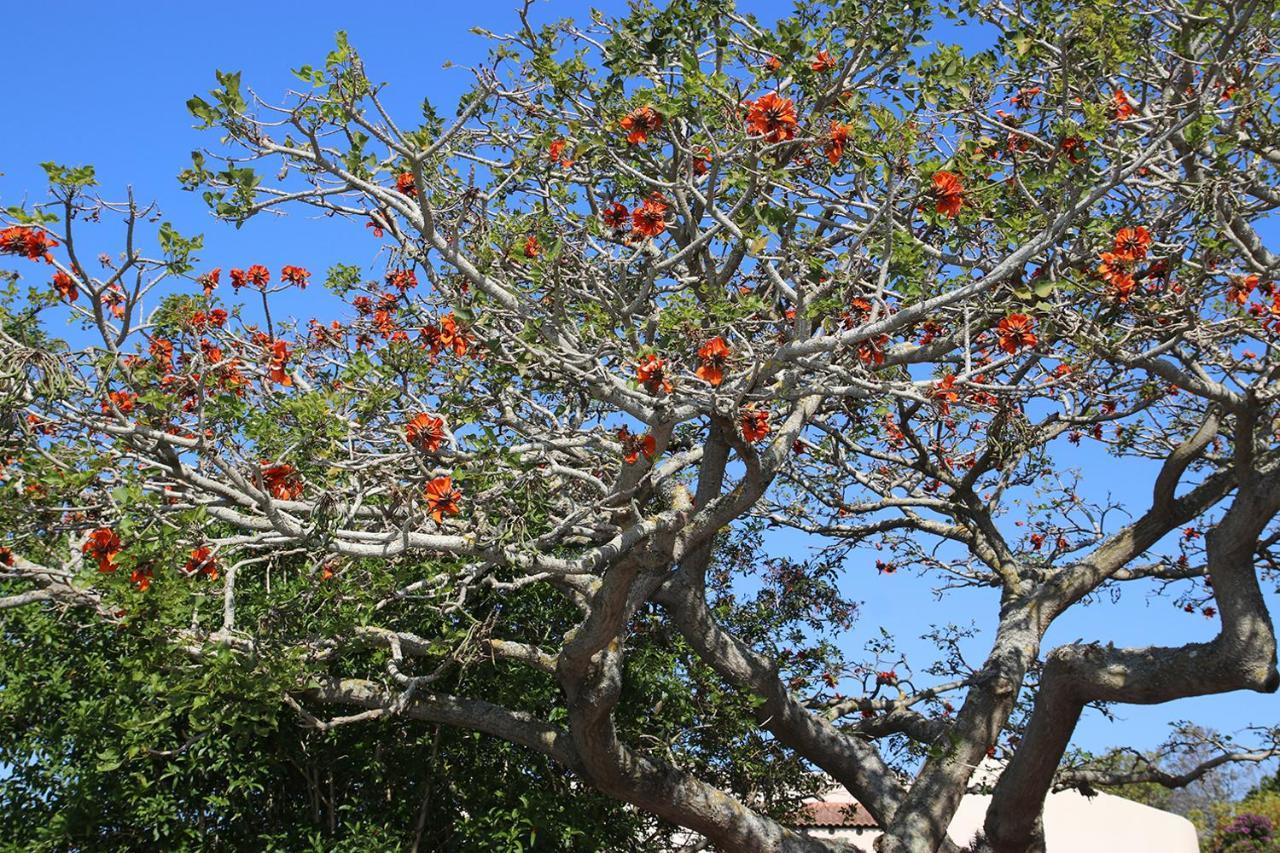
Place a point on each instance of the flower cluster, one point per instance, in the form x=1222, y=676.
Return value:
x=209, y=281
x=446, y=336
x=640, y=123
x=281, y=481
x=442, y=498
x=1116, y=267
x=65, y=286
x=425, y=432
x=772, y=117
x=651, y=373
x=754, y=424
x=402, y=280
x=948, y=194
x=295, y=275
x=124, y=401
x=1120, y=107
x=276, y=367
x=103, y=545
x=257, y=275
x=635, y=446
x=712, y=358
x=1016, y=332
x=555, y=152
x=202, y=562
x=30, y=243
x=822, y=62
x=837, y=139
x=648, y=220
x=406, y=185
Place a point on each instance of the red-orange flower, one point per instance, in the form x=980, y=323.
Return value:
x=31, y=243
x=556, y=148
x=1121, y=287
x=122, y=400
x=295, y=275
x=859, y=311
x=701, y=162
x=406, y=184
x=772, y=65
x=256, y=275
x=451, y=337
x=1022, y=100
x=141, y=578
x=276, y=368
x=201, y=321
x=202, y=562
x=944, y=392
x=930, y=331
x=822, y=62
x=948, y=193
x=712, y=357
x=65, y=286
x=1121, y=109
x=209, y=281
x=754, y=424
x=772, y=117
x=442, y=498
x=402, y=280
x=837, y=139
x=1113, y=266
x=161, y=350
x=1016, y=332
x=615, y=215
x=1114, y=270
x=635, y=445
x=114, y=300
x=641, y=122
x=650, y=218
x=1241, y=288
x=102, y=545
x=651, y=373
x=282, y=481
x=425, y=432
x=1131, y=243
x=1073, y=147
x=531, y=246
x=871, y=351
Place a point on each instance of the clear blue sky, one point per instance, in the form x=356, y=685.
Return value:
x=106, y=83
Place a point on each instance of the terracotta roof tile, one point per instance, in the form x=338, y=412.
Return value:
x=835, y=814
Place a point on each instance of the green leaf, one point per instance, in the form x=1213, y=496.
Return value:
x=72, y=177
x=203, y=110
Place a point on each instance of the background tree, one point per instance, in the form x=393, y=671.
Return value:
x=113, y=740
x=663, y=281
x=1244, y=823
x=1198, y=773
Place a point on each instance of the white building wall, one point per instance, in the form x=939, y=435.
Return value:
x=1102, y=824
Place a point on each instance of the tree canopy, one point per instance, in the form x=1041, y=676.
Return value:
x=499, y=537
